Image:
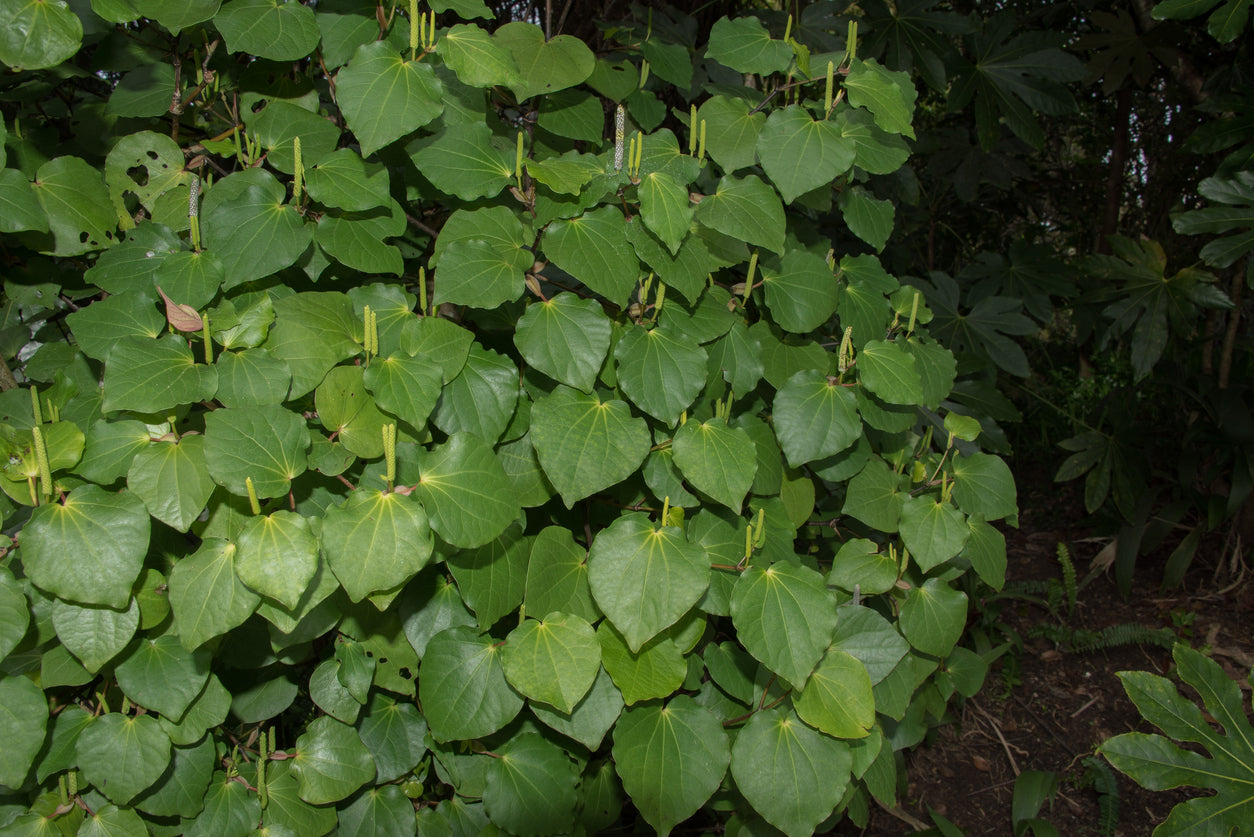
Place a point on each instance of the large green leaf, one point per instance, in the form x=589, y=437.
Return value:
x=14, y=614
x=482, y=398
x=481, y=273
x=592, y=717
x=784, y=616
x=887, y=94
x=384, y=97
x=173, y=480
x=544, y=66
x=530, y=787
x=644, y=578
x=557, y=576
x=747, y=210
x=381, y=811
x=181, y=790
x=566, y=338
x=465, y=491
x=277, y=556
x=875, y=496
x=21, y=210
x=407, y=387
x=80, y=212
x=791, y=775
x=35, y=35
x=331, y=762
x=206, y=596
x=376, y=541
x=983, y=485
x=251, y=378
x=654, y=671
x=393, y=732
x=732, y=131
x=122, y=755
x=343, y=180
x=147, y=165
x=273, y=29
x=463, y=161
x=593, y=248
x=92, y=633
x=266, y=444
x=933, y=617
x=744, y=45
x=837, y=699
x=889, y=371
x=585, y=444
x=346, y=409
x=476, y=58
x=718, y=460
x=313, y=332
x=462, y=686
x=148, y=376
x=24, y=725
x=665, y=208
x=800, y=154
x=932, y=529
x=285, y=809
x=356, y=239
x=159, y=674
x=815, y=417
x=553, y=660
x=801, y=290
x=671, y=759
x=869, y=218
x=662, y=371
x=89, y=549
x=252, y=232
x=492, y=578
x=176, y=15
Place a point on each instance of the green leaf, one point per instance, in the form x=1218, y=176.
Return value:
x=566, y=338
x=89, y=549
x=986, y=550
x=21, y=210
x=122, y=755
x=791, y=775
x=481, y=273
x=482, y=398
x=544, y=66
x=718, y=460
x=383, y=96
x=983, y=485
x=575, y=114
x=462, y=161
x=476, y=58
x=173, y=480
x=347, y=410
x=492, y=577
x=14, y=614
x=496, y=224
x=801, y=290
x=530, y=787
x=462, y=687
x=889, y=371
x=357, y=240
x=94, y=634
x=933, y=616
x=273, y=29
x=800, y=154
x=24, y=725
x=191, y=278
x=566, y=174
x=428, y=605
x=251, y=231
x=393, y=732
x=593, y=248
x=671, y=759
x=657, y=670
x=645, y=578
x=36, y=35
x=331, y=762
x=686, y=272
x=747, y=210
x=330, y=695
x=159, y=674
x=100, y=326
x=858, y=563
x=732, y=131
x=251, y=378
x=73, y=195
x=265, y=443
x=785, y=617
x=660, y=370
x=383, y=810
x=181, y=790
x=665, y=208
x=343, y=180
x=286, y=809
x=553, y=660
x=585, y=444
x=814, y=418
x=149, y=376
x=874, y=496
x=376, y=541
x=592, y=717
x=313, y=332
x=278, y=556
x=875, y=150
x=176, y=15
x=837, y=699
x=147, y=165
x=557, y=576
x=870, y=219
x=887, y=94
x=933, y=530
x=465, y=491
x=407, y=387
x=206, y=596
x=744, y=45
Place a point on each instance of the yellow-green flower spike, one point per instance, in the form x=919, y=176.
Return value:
x=414, y=23
x=701, y=145
x=620, y=123
x=753, y=270
x=692, y=130
x=644, y=73
x=389, y=454
x=422, y=291
x=298, y=185
x=827, y=90
x=206, y=338
x=193, y=205
x=914, y=312
x=252, y=496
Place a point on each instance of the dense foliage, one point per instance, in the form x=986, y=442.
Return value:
x=425, y=423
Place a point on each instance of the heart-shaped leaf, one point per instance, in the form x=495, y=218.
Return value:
x=376, y=541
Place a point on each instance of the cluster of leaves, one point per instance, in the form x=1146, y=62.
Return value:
x=619, y=486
